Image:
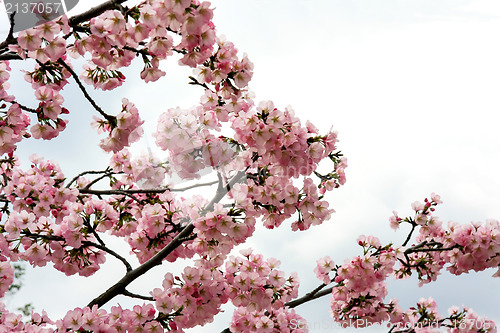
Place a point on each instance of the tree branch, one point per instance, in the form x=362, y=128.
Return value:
x=86, y=243
x=109, y=118
x=107, y=174
x=145, y=298
x=316, y=293
x=96, y=11
x=85, y=173
x=127, y=265
x=143, y=191
x=182, y=189
x=25, y=108
x=10, y=36
x=413, y=225
x=157, y=259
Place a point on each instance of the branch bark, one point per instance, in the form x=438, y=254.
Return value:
x=109, y=118
x=96, y=11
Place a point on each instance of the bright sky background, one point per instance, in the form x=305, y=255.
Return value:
x=412, y=88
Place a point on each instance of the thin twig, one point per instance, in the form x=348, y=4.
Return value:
x=25, y=108
x=129, y=294
x=131, y=196
x=182, y=189
x=96, y=11
x=109, y=118
x=87, y=173
x=86, y=243
x=127, y=265
x=413, y=225
x=109, y=173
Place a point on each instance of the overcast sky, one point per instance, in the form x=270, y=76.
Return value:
x=412, y=88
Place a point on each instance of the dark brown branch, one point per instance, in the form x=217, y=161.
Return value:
x=145, y=298
x=86, y=243
x=107, y=174
x=109, y=118
x=316, y=293
x=25, y=108
x=10, y=36
x=419, y=247
x=127, y=265
x=143, y=191
x=413, y=225
x=119, y=287
x=85, y=173
x=10, y=56
x=96, y=11
x=128, y=195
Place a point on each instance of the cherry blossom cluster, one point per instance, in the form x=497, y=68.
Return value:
x=6, y=275
x=256, y=284
x=186, y=136
x=38, y=190
x=192, y=299
x=224, y=68
x=48, y=224
x=145, y=171
x=150, y=227
x=123, y=129
x=219, y=231
x=192, y=148
x=13, y=322
x=50, y=107
x=360, y=289
x=13, y=121
x=477, y=247
x=260, y=291
x=138, y=319
x=361, y=286
x=425, y=318
x=283, y=319
x=324, y=267
x=13, y=124
x=293, y=151
x=463, y=247
x=113, y=40
x=4, y=78
x=43, y=42
x=468, y=321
